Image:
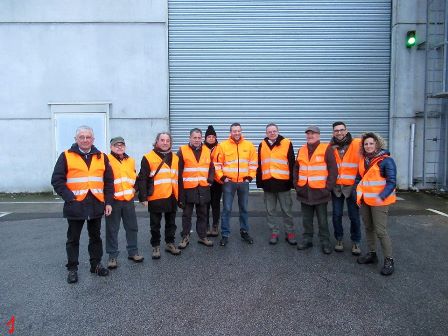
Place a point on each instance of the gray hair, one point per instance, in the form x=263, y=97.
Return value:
x=83, y=128
x=195, y=130
x=271, y=124
x=160, y=134
x=380, y=142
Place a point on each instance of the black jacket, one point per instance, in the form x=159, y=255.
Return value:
x=198, y=195
x=157, y=206
x=90, y=207
x=273, y=184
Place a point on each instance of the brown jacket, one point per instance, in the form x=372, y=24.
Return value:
x=313, y=196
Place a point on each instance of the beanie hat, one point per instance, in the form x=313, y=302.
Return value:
x=210, y=131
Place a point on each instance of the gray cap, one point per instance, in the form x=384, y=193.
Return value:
x=312, y=128
x=116, y=140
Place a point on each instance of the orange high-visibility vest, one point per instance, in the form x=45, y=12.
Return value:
x=348, y=166
x=81, y=179
x=236, y=160
x=371, y=185
x=195, y=173
x=214, y=157
x=274, y=162
x=165, y=182
x=312, y=171
x=124, y=177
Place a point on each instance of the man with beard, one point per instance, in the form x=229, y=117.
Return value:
x=346, y=151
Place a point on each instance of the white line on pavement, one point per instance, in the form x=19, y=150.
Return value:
x=400, y=199
x=438, y=212
x=4, y=213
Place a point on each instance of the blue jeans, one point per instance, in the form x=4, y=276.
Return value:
x=353, y=214
x=228, y=193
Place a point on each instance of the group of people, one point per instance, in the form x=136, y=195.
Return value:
x=358, y=172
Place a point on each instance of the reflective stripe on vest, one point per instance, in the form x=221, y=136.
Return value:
x=124, y=177
x=371, y=185
x=274, y=162
x=312, y=171
x=165, y=182
x=195, y=173
x=348, y=166
x=81, y=179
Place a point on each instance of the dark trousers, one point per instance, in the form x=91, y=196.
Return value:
x=155, y=219
x=95, y=242
x=353, y=214
x=122, y=210
x=215, y=204
x=201, y=221
x=322, y=220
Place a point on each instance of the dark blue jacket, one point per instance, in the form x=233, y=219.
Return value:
x=388, y=170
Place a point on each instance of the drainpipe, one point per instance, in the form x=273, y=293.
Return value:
x=411, y=160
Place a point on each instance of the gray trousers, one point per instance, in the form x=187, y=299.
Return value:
x=322, y=220
x=285, y=201
x=121, y=210
x=375, y=222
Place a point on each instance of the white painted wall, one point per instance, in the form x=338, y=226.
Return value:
x=78, y=51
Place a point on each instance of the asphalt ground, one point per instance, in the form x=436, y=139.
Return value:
x=239, y=289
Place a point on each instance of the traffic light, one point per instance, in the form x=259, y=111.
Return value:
x=411, y=39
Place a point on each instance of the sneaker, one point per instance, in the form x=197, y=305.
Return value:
x=304, y=245
x=171, y=248
x=339, y=247
x=223, y=241
x=388, y=267
x=291, y=238
x=136, y=258
x=99, y=269
x=184, y=242
x=205, y=241
x=274, y=239
x=326, y=249
x=156, y=252
x=72, y=276
x=245, y=236
x=209, y=233
x=369, y=258
x=356, y=250
x=112, y=263
x=214, y=232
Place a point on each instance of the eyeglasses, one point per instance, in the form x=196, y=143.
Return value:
x=339, y=130
x=120, y=144
x=82, y=137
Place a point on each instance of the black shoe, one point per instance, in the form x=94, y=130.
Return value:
x=304, y=245
x=100, y=270
x=326, y=249
x=72, y=276
x=245, y=236
x=388, y=267
x=369, y=258
x=224, y=241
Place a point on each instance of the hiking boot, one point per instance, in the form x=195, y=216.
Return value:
x=112, y=263
x=136, y=258
x=326, y=249
x=369, y=258
x=291, y=238
x=339, y=247
x=72, y=276
x=209, y=233
x=274, y=239
x=304, y=245
x=205, y=241
x=184, y=242
x=99, y=269
x=388, y=267
x=171, y=248
x=245, y=236
x=156, y=252
x=214, y=232
x=223, y=241
x=356, y=250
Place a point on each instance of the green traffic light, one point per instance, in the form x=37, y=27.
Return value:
x=411, y=39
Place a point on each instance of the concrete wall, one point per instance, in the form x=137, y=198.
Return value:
x=407, y=86
x=57, y=51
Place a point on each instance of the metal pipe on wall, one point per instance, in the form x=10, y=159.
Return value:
x=411, y=160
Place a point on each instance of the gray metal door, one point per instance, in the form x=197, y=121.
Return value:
x=292, y=62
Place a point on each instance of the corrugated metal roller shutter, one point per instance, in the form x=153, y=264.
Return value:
x=291, y=62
